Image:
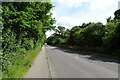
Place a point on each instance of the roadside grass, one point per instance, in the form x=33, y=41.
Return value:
x=22, y=65
x=97, y=51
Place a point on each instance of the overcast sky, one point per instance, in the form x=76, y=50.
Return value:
x=69, y=13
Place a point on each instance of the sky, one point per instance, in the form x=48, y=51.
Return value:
x=69, y=13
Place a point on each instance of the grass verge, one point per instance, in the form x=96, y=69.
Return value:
x=22, y=65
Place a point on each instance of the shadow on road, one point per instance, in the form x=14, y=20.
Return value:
x=87, y=55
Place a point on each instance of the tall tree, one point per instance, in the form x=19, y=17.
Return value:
x=117, y=15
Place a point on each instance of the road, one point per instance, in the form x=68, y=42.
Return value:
x=67, y=64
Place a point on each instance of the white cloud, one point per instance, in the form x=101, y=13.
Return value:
x=94, y=4
x=67, y=22
x=70, y=3
x=95, y=7
x=49, y=33
x=102, y=4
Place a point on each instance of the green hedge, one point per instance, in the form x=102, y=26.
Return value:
x=24, y=28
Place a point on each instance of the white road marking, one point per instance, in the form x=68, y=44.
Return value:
x=76, y=57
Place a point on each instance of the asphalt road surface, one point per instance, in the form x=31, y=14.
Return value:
x=68, y=64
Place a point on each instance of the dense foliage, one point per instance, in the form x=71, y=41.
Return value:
x=1, y=26
x=24, y=27
x=92, y=36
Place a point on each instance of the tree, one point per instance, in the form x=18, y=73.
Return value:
x=93, y=36
x=60, y=30
x=109, y=19
x=117, y=15
x=24, y=27
x=71, y=39
x=60, y=36
x=112, y=38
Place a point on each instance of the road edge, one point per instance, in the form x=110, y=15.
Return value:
x=49, y=68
